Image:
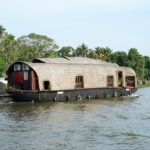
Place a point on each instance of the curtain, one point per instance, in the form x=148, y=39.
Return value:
x=19, y=77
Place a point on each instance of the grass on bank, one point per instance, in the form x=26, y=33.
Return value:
x=144, y=85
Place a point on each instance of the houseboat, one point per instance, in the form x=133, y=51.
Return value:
x=68, y=78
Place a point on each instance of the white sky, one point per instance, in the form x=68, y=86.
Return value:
x=118, y=24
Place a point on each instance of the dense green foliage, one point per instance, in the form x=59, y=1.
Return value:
x=27, y=47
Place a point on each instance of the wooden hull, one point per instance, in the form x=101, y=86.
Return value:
x=69, y=95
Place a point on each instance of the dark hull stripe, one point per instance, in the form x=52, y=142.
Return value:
x=68, y=95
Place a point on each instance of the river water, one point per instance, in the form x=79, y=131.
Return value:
x=115, y=124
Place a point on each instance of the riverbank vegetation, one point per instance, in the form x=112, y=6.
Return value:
x=28, y=47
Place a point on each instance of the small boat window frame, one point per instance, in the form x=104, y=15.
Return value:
x=25, y=67
x=46, y=85
x=17, y=67
x=79, y=81
x=120, y=78
x=130, y=81
x=110, y=81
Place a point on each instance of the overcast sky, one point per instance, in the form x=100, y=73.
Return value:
x=118, y=24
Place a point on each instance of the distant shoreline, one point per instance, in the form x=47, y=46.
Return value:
x=144, y=85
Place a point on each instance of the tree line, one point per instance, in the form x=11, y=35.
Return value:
x=28, y=47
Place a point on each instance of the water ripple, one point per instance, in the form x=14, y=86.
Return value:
x=96, y=124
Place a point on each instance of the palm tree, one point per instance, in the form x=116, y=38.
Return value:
x=2, y=30
x=82, y=50
x=102, y=53
x=99, y=51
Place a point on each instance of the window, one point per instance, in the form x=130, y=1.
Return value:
x=26, y=75
x=120, y=79
x=130, y=81
x=17, y=67
x=79, y=82
x=110, y=81
x=46, y=85
x=25, y=67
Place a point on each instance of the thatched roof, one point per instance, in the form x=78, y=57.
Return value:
x=128, y=70
x=73, y=60
x=62, y=76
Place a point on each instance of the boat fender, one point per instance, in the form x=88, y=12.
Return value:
x=106, y=95
x=79, y=97
x=56, y=98
x=115, y=94
x=129, y=94
x=89, y=97
x=97, y=97
x=68, y=98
